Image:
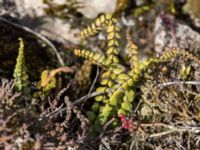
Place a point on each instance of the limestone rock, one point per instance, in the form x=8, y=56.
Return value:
x=171, y=33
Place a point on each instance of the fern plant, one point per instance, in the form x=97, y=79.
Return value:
x=118, y=84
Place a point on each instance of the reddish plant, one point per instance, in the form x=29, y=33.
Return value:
x=127, y=123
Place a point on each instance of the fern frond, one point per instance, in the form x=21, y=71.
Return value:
x=168, y=55
x=189, y=55
x=172, y=53
x=20, y=75
x=133, y=54
x=95, y=27
x=96, y=58
x=110, y=77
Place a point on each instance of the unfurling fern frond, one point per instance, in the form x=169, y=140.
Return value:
x=20, y=75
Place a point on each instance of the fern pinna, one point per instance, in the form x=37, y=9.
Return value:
x=118, y=84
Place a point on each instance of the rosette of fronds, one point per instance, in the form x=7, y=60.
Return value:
x=118, y=83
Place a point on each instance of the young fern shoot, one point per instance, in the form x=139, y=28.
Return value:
x=20, y=75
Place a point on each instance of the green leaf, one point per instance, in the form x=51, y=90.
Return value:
x=129, y=95
x=123, y=76
x=110, y=28
x=99, y=98
x=121, y=111
x=104, y=82
x=126, y=106
x=91, y=115
x=95, y=107
x=110, y=50
x=101, y=89
x=117, y=95
x=105, y=113
x=118, y=70
x=110, y=35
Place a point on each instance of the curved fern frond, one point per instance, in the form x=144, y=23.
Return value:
x=96, y=58
x=95, y=27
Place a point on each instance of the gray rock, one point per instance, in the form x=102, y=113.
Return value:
x=33, y=8
x=30, y=13
x=171, y=33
